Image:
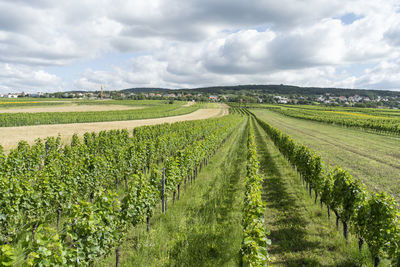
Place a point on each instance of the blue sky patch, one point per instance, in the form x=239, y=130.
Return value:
x=349, y=18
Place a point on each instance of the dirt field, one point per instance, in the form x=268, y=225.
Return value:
x=10, y=136
x=66, y=108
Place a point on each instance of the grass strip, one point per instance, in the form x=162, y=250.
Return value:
x=301, y=233
x=203, y=228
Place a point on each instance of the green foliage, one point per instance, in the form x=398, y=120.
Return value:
x=139, y=201
x=92, y=230
x=377, y=222
x=46, y=249
x=372, y=119
x=327, y=189
x=7, y=255
x=255, y=241
x=156, y=111
x=81, y=182
x=347, y=194
x=373, y=218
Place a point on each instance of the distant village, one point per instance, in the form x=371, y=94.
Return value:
x=248, y=97
x=119, y=95
x=329, y=99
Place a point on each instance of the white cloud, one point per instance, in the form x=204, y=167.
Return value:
x=21, y=78
x=195, y=43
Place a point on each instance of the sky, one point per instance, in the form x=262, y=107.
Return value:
x=50, y=46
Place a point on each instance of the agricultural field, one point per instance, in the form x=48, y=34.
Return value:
x=60, y=112
x=378, y=120
x=10, y=136
x=73, y=107
x=248, y=187
x=372, y=157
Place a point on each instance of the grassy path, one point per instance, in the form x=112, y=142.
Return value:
x=301, y=233
x=203, y=228
x=373, y=158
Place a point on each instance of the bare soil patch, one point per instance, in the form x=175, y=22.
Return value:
x=67, y=108
x=10, y=136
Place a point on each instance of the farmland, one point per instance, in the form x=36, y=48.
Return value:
x=379, y=120
x=10, y=136
x=66, y=108
x=138, y=110
x=371, y=157
x=253, y=187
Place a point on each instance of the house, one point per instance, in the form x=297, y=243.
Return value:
x=357, y=98
x=169, y=95
x=281, y=100
x=213, y=98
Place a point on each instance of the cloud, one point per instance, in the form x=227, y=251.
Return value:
x=21, y=78
x=385, y=75
x=194, y=43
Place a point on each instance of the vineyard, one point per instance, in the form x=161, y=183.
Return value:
x=368, y=119
x=233, y=191
x=72, y=204
x=373, y=216
x=154, y=110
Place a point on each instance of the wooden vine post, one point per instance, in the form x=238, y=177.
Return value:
x=163, y=190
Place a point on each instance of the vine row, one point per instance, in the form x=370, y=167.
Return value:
x=71, y=205
x=372, y=217
x=255, y=240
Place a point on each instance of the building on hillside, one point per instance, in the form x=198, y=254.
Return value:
x=213, y=98
x=281, y=100
x=357, y=98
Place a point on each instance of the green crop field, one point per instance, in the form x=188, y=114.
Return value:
x=150, y=109
x=379, y=120
x=374, y=158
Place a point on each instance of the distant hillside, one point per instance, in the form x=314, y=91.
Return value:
x=144, y=90
x=294, y=90
x=271, y=89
